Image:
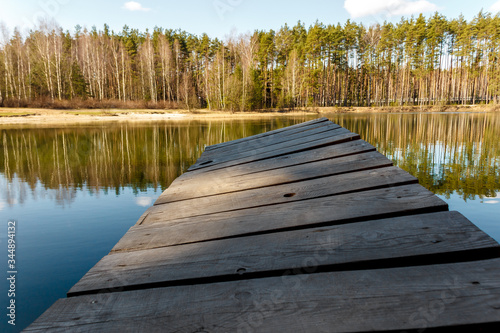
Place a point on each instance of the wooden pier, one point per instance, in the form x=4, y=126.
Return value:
x=302, y=229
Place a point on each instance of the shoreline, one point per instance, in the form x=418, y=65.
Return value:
x=29, y=116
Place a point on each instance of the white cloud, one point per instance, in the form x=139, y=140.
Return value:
x=143, y=201
x=2, y=205
x=361, y=8
x=495, y=8
x=135, y=6
x=491, y=202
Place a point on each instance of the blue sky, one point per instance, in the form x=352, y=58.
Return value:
x=219, y=18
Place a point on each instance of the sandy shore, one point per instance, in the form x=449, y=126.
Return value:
x=43, y=116
x=49, y=116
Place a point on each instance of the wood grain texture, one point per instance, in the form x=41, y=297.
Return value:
x=239, y=151
x=159, y=230
x=298, y=191
x=352, y=301
x=323, y=139
x=268, y=143
x=208, y=184
x=407, y=236
x=273, y=163
x=306, y=124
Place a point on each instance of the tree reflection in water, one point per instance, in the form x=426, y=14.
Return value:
x=447, y=152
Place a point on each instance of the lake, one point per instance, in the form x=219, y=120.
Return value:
x=75, y=190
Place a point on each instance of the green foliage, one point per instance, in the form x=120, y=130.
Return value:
x=420, y=60
x=78, y=81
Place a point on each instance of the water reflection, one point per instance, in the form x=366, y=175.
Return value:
x=447, y=152
x=110, y=158
x=144, y=201
x=75, y=191
x=492, y=202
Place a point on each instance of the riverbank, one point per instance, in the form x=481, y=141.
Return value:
x=51, y=116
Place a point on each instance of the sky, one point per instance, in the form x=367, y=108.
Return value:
x=221, y=18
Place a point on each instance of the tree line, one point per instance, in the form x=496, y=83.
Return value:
x=418, y=61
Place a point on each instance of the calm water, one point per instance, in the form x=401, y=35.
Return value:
x=74, y=191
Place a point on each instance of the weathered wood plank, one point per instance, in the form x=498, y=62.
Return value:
x=268, y=143
x=400, y=200
x=273, y=163
x=273, y=132
x=208, y=184
x=220, y=156
x=405, y=298
x=303, y=190
x=260, y=139
x=315, y=141
x=444, y=233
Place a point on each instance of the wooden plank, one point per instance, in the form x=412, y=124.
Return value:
x=273, y=132
x=303, y=190
x=419, y=297
x=400, y=200
x=251, y=141
x=302, y=157
x=268, y=142
x=445, y=233
x=207, y=184
x=320, y=140
x=235, y=153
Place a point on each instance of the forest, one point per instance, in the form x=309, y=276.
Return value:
x=418, y=61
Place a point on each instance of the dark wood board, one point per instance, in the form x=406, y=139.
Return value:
x=304, y=125
x=158, y=231
x=207, y=184
x=323, y=139
x=303, y=157
x=416, y=238
x=419, y=297
x=304, y=190
x=267, y=143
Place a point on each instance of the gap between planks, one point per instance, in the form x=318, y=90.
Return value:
x=348, y=208
x=208, y=184
x=343, y=135
x=189, y=182
x=424, y=239
x=328, y=186
x=348, y=301
x=270, y=140
x=272, y=132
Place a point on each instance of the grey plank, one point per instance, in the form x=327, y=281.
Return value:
x=319, y=140
x=210, y=158
x=208, y=184
x=269, y=137
x=302, y=157
x=443, y=233
x=273, y=132
x=405, y=298
x=268, y=142
x=303, y=190
x=159, y=230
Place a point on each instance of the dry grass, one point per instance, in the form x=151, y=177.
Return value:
x=113, y=104
x=78, y=103
x=403, y=109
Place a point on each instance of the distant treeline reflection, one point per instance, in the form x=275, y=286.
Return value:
x=447, y=152
x=112, y=157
